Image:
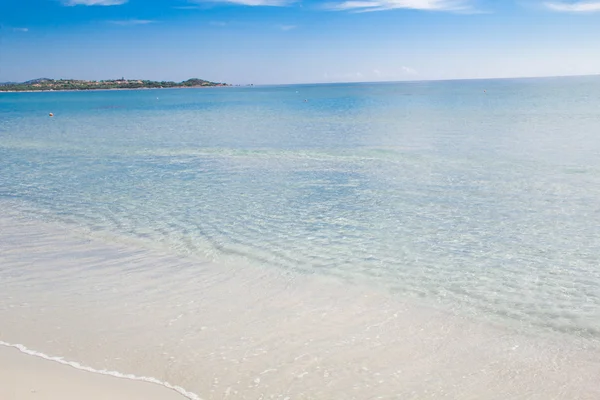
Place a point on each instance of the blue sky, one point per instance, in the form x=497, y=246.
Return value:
x=302, y=41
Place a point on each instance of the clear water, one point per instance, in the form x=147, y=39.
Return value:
x=480, y=196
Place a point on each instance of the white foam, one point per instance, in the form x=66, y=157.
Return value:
x=74, y=364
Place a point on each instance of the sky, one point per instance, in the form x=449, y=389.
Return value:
x=297, y=41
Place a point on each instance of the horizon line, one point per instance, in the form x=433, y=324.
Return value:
x=332, y=82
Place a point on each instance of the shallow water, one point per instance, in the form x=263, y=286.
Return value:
x=216, y=332
x=480, y=207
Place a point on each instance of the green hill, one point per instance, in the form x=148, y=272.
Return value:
x=42, y=84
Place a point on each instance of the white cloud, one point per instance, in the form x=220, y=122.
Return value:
x=132, y=22
x=273, y=3
x=218, y=23
x=286, y=27
x=381, y=5
x=409, y=70
x=94, y=2
x=575, y=7
x=21, y=29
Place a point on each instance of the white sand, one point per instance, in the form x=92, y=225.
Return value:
x=246, y=334
x=25, y=377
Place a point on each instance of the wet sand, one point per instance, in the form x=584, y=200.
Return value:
x=26, y=377
x=249, y=333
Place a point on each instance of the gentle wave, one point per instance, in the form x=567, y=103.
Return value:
x=76, y=365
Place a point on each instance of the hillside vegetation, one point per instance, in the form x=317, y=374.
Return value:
x=73, y=84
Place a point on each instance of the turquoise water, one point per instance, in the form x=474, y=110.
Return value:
x=479, y=196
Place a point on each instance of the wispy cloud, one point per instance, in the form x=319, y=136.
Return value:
x=574, y=6
x=409, y=70
x=218, y=23
x=94, y=2
x=286, y=27
x=23, y=30
x=381, y=5
x=127, y=22
x=272, y=3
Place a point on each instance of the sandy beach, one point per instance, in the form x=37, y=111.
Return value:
x=27, y=377
x=243, y=335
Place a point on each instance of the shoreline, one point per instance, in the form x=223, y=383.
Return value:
x=25, y=375
x=242, y=332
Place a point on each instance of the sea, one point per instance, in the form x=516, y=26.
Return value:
x=412, y=240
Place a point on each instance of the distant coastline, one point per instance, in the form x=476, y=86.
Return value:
x=61, y=85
